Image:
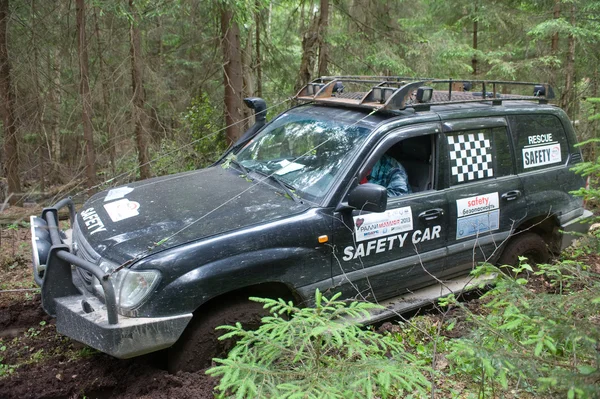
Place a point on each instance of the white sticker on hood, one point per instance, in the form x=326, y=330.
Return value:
x=117, y=193
x=122, y=209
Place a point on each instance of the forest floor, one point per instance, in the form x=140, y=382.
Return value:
x=37, y=362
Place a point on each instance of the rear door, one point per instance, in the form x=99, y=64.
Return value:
x=485, y=195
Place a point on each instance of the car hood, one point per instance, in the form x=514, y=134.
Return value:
x=160, y=213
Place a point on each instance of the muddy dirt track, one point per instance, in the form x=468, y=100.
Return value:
x=53, y=366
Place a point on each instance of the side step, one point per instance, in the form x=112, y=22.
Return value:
x=426, y=296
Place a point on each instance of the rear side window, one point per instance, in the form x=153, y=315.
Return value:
x=539, y=141
x=478, y=154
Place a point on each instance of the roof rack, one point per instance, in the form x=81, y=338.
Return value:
x=398, y=92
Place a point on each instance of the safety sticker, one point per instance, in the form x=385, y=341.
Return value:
x=390, y=243
x=373, y=225
x=122, y=209
x=117, y=193
x=476, y=215
x=540, y=151
x=92, y=221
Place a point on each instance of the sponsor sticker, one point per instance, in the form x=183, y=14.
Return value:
x=122, y=209
x=374, y=225
x=540, y=151
x=117, y=193
x=476, y=215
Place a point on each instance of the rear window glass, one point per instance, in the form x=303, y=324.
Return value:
x=539, y=141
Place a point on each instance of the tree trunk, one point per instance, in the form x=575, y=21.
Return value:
x=55, y=98
x=248, y=82
x=475, y=32
x=86, y=98
x=258, y=56
x=105, y=99
x=139, y=115
x=233, y=75
x=554, y=47
x=11, y=145
x=310, y=40
x=44, y=148
x=323, y=47
x=568, y=95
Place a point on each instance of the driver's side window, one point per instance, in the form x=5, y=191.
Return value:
x=406, y=167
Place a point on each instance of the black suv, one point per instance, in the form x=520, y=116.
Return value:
x=289, y=209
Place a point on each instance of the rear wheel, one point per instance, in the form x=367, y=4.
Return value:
x=529, y=245
x=199, y=343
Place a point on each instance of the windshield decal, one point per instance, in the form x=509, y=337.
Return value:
x=288, y=167
x=122, y=209
x=374, y=225
x=92, y=221
x=476, y=215
x=117, y=193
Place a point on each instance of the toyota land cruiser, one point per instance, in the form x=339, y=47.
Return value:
x=160, y=263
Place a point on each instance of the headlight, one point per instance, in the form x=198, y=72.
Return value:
x=132, y=287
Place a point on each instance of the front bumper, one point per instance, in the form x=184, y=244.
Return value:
x=85, y=318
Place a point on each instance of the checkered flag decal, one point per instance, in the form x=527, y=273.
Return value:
x=470, y=157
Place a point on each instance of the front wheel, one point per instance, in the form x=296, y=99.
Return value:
x=199, y=343
x=529, y=245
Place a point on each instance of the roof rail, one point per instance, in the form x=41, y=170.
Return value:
x=398, y=92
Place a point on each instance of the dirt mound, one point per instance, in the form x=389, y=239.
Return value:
x=22, y=314
x=48, y=365
x=103, y=377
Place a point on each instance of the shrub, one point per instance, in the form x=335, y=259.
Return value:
x=316, y=352
x=539, y=333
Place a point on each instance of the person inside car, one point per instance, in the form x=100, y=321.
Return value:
x=389, y=173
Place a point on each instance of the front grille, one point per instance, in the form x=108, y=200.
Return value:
x=83, y=249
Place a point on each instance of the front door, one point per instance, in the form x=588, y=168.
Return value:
x=382, y=255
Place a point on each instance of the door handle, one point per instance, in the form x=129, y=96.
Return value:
x=511, y=195
x=431, y=214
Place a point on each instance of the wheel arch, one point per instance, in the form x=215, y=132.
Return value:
x=546, y=226
x=273, y=290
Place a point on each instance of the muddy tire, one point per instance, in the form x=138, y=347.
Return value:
x=199, y=343
x=530, y=245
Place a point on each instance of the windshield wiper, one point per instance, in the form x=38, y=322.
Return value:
x=287, y=188
x=239, y=165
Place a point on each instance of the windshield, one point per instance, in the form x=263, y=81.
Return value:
x=304, y=151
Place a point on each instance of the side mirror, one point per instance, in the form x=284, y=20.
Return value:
x=368, y=197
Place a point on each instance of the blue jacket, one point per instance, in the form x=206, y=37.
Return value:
x=389, y=173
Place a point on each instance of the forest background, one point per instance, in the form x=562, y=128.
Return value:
x=104, y=92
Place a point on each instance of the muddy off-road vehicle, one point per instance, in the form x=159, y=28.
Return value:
x=289, y=208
